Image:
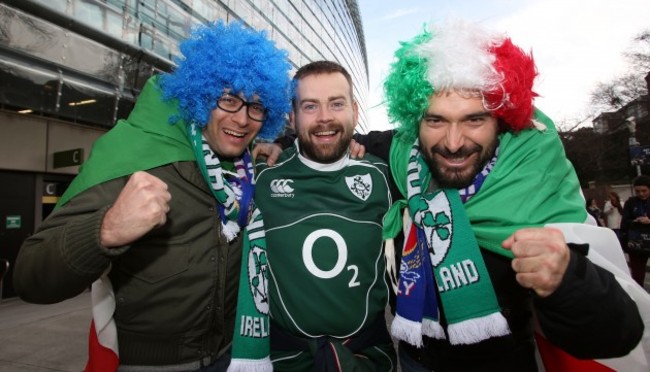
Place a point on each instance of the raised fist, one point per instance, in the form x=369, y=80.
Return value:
x=142, y=205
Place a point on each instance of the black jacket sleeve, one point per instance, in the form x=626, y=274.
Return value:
x=627, y=217
x=285, y=141
x=376, y=143
x=590, y=315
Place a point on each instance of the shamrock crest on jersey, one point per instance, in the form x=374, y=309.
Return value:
x=360, y=185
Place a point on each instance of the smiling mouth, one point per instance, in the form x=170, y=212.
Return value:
x=234, y=134
x=458, y=161
x=325, y=133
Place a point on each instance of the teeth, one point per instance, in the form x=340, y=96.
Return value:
x=325, y=133
x=456, y=160
x=233, y=133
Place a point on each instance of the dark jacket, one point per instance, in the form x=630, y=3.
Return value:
x=577, y=316
x=635, y=235
x=175, y=288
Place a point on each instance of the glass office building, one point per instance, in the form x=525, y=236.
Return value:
x=97, y=54
x=70, y=68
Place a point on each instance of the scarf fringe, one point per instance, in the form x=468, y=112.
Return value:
x=407, y=330
x=476, y=330
x=230, y=230
x=248, y=365
x=433, y=329
x=391, y=269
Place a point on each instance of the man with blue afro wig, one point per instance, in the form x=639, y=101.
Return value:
x=235, y=59
x=154, y=219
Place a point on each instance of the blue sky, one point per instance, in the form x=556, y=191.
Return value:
x=575, y=43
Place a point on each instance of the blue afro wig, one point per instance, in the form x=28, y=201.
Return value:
x=217, y=56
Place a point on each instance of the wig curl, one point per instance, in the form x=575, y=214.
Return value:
x=460, y=57
x=220, y=56
x=406, y=88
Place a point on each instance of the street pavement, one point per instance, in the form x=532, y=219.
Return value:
x=39, y=338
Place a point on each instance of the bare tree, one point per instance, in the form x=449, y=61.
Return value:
x=615, y=94
x=612, y=95
x=639, y=54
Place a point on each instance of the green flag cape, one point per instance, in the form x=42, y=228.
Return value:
x=532, y=184
x=143, y=141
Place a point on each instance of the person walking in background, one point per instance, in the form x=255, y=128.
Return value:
x=153, y=219
x=635, y=224
x=594, y=211
x=612, y=212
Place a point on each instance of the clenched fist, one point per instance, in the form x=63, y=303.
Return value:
x=541, y=258
x=142, y=205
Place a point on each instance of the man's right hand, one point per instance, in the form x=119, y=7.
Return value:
x=357, y=150
x=643, y=219
x=142, y=205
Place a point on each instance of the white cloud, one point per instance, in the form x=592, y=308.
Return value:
x=398, y=14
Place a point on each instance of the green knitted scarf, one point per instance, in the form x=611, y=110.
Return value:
x=251, y=344
x=441, y=259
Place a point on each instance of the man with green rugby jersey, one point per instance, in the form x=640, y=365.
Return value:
x=324, y=259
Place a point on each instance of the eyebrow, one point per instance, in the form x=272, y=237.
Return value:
x=474, y=115
x=479, y=115
x=329, y=99
x=334, y=98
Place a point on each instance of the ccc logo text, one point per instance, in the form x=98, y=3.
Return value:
x=281, y=188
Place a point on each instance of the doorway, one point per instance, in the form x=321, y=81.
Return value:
x=17, y=205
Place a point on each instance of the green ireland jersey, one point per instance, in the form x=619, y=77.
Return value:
x=323, y=226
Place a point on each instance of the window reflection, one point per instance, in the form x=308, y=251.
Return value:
x=308, y=29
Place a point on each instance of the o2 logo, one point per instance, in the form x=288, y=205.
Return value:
x=341, y=261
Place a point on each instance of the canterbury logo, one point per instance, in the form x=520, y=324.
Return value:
x=281, y=186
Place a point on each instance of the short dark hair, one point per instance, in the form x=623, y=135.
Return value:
x=321, y=67
x=642, y=180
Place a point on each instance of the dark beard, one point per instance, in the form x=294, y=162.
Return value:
x=324, y=153
x=458, y=179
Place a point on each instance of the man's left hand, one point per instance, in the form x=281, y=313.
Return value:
x=541, y=258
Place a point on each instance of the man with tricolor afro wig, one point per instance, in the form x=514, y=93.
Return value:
x=491, y=218
x=154, y=219
x=459, y=59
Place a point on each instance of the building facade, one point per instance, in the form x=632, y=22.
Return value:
x=610, y=154
x=70, y=68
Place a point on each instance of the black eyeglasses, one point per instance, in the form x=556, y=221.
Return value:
x=229, y=103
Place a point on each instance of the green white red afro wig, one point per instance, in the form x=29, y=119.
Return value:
x=464, y=58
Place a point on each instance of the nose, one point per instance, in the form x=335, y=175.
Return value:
x=240, y=117
x=324, y=114
x=454, y=139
